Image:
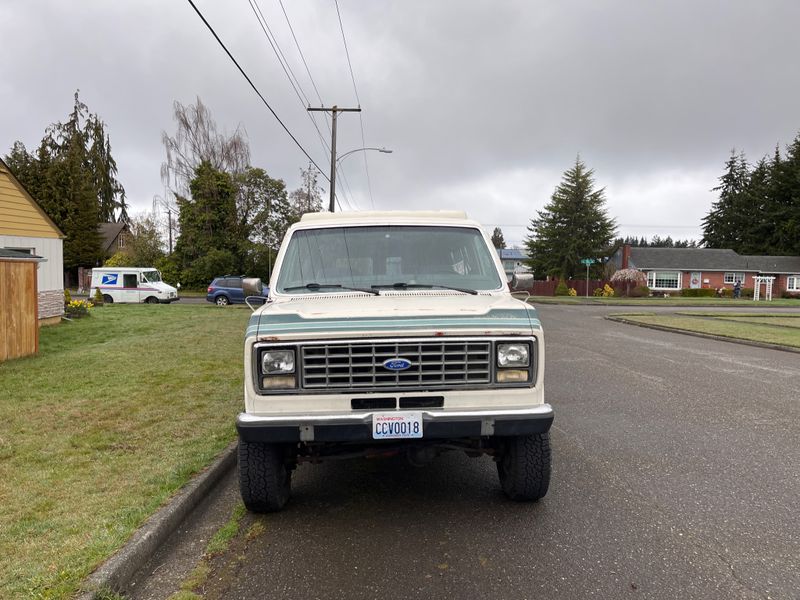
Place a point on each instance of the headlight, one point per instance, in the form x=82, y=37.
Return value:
x=277, y=362
x=513, y=355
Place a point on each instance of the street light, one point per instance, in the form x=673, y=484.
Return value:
x=383, y=150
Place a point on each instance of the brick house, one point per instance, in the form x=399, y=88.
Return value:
x=673, y=269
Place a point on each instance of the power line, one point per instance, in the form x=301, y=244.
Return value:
x=293, y=80
x=273, y=42
x=255, y=89
x=355, y=89
x=302, y=56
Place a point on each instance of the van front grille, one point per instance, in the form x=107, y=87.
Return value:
x=359, y=365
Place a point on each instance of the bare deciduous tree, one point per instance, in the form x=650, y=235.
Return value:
x=196, y=140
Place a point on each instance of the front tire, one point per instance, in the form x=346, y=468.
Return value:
x=264, y=478
x=222, y=301
x=152, y=300
x=107, y=299
x=524, y=467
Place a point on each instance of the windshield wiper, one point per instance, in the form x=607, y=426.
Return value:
x=400, y=285
x=319, y=286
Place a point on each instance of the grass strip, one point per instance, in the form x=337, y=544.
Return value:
x=218, y=544
x=672, y=301
x=754, y=332
x=117, y=412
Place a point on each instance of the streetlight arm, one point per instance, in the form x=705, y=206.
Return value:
x=383, y=150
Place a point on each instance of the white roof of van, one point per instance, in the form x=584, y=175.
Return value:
x=385, y=215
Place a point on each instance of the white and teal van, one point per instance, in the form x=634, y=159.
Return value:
x=132, y=285
x=391, y=333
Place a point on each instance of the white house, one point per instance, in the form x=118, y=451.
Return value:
x=25, y=227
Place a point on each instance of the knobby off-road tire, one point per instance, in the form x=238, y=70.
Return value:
x=524, y=467
x=264, y=479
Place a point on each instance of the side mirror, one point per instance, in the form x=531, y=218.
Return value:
x=251, y=286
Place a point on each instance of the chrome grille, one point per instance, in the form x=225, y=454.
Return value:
x=358, y=365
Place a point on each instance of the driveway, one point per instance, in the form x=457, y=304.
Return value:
x=675, y=476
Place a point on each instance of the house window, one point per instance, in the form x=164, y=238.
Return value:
x=23, y=250
x=731, y=278
x=664, y=280
x=793, y=283
x=121, y=240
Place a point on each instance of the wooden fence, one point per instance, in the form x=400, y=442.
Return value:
x=19, y=320
x=548, y=288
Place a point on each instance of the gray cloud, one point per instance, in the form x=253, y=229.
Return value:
x=484, y=103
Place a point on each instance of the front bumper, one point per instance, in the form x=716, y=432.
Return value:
x=357, y=427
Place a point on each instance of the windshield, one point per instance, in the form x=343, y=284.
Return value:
x=387, y=255
x=151, y=276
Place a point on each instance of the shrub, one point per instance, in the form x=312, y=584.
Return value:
x=98, y=297
x=597, y=292
x=640, y=291
x=121, y=259
x=790, y=295
x=562, y=289
x=573, y=292
x=607, y=291
x=747, y=292
x=698, y=292
x=67, y=297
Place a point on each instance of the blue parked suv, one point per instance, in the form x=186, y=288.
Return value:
x=228, y=290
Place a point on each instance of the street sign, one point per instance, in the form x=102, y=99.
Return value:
x=587, y=261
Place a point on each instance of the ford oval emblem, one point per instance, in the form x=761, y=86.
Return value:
x=396, y=364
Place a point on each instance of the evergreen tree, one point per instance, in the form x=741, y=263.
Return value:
x=498, y=241
x=724, y=224
x=72, y=176
x=573, y=225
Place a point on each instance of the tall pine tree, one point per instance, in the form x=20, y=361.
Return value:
x=574, y=225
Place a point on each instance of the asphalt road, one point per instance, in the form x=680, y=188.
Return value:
x=676, y=475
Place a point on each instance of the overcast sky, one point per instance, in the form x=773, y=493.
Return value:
x=484, y=104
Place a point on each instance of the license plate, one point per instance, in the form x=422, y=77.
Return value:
x=396, y=425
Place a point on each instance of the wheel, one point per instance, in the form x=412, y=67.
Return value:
x=264, y=478
x=524, y=467
x=222, y=301
x=107, y=299
x=152, y=300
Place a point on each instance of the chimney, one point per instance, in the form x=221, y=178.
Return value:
x=626, y=255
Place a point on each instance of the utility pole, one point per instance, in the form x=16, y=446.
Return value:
x=334, y=110
x=169, y=216
x=308, y=190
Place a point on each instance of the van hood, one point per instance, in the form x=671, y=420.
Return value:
x=416, y=313
x=162, y=287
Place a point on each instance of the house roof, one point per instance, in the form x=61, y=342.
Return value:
x=512, y=254
x=109, y=233
x=774, y=264
x=20, y=213
x=710, y=259
x=687, y=259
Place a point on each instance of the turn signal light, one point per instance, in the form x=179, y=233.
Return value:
x=512, y=376
x=278, y=382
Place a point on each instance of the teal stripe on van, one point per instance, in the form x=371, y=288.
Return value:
x=293, y=324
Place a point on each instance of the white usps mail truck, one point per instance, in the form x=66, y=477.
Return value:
x=132, y=285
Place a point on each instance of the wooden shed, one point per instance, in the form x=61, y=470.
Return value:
x=19, y=304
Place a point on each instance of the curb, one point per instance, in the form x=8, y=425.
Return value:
x=118, y=570
x=710, y=336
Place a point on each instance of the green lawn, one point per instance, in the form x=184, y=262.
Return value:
x=672, y=301
x=766, y=329
x=116, y=413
